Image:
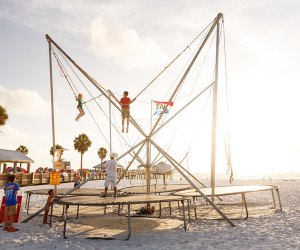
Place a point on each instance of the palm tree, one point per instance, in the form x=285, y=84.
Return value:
x=57, y=146
x=3, y=116
x=82, y=144
x=102, y=154
x=23, y=149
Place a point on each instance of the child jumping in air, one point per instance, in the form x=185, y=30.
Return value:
x=79, y=99
x=48, y=205
x=125, y=105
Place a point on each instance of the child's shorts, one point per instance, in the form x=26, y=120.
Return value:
x=109, y=180
x=11, y=210
x=125, y=113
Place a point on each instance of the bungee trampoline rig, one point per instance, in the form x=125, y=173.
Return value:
x=143, y=149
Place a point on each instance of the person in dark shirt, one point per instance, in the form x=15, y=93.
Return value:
x=11, y=189
x=77, y=179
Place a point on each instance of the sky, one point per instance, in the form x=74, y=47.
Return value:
x=124, y=45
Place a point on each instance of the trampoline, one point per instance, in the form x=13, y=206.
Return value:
x=134, y=190
x=128, y=201
x=62, y=191
x=231, y=190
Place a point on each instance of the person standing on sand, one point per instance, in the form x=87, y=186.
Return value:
x=48, y=205
x=11, y=189
x=111, y=172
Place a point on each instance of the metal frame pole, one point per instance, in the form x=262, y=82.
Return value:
x=148, y=165
x=185, y=106
x=168, y=157
x=94, y=82
x=214, y=119
x=110, y=146
x=133, y=158
x=52, y=107
x=216, y=21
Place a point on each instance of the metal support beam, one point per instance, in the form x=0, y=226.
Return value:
x=122, y=176
x=94, y=82
x=185, y=106
x=52, y=107
x=214, y=119
x=216, y=21
x=193, y=185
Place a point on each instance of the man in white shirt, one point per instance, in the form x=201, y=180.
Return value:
x=111, y=172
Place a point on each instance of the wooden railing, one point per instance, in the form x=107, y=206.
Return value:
x=44, y=178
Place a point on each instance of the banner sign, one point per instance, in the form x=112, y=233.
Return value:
x=17, y=215
x=54, y=178
x=160, y=106
x=58, y=165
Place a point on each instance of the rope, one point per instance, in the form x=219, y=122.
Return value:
x=96, y=124
x=166, y=67
x=191, y=92
x=227, y=145
x=71, y=82
x=124, y=158
x=93, y=98
x=63, y=70
x=188, y=63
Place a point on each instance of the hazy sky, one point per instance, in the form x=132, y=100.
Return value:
x=124, y=44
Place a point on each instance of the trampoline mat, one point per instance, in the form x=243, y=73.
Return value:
x=154, y=189
x=77, y=192
x=103, y=201
x=226, y=190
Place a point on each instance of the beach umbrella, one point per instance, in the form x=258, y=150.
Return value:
x=39, y=170
x=22, y=170
x=9, y=169
x=162, y=168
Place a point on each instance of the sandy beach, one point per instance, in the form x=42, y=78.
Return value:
x=266, y=227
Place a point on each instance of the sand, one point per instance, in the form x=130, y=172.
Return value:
x=266, y=228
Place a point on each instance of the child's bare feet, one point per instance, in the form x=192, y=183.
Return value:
x=12, y=229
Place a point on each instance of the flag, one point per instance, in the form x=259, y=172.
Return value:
x=160, y=106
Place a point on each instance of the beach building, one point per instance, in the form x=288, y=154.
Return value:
x=14, y=157
x=17, y=159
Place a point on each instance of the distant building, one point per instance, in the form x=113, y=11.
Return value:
x=15, y=157
x=102, y=167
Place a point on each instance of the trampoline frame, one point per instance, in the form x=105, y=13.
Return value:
x=36, y=192
x=271, y=188
x=159, y=200
x=120, y=192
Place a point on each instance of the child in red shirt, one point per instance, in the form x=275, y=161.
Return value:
x=125, y=105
